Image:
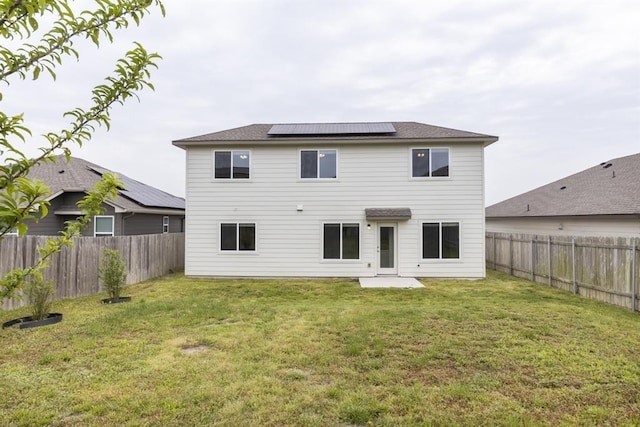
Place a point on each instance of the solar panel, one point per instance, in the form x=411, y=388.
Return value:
x=331, y=129
x=144, y=194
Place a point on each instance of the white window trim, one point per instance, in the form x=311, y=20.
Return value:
x=340, y=260
x=12, y=232
x=318, y=179
x=428, y=178
x=165, y=224
x=231, y=178
x=237, y=251
x=440, y=259
x=95, y=224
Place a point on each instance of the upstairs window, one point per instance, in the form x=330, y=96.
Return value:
x=429, y=162
x=318, y=164
x=441, y=240
x=232, y=164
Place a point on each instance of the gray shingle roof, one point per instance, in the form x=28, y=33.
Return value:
x=610, y=188
x=404, y=131
x=79, y=175
x=388, y=213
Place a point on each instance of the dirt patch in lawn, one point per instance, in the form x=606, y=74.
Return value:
x=193, y=348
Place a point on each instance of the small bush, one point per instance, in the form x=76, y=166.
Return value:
x=113, y=272
x=39, y=293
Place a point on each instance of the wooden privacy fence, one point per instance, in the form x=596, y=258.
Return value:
x=602, y=268
x=74, y=271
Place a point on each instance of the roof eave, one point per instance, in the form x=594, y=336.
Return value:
x=490, y=141
x=52, y=196
x=486, y=140
x=565, y=215
x=64, y=190
x=157, y=211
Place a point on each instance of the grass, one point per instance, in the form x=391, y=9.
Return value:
x=500, y=351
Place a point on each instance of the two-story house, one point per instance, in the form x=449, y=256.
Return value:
x=335, y=200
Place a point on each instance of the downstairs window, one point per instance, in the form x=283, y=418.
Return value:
x=103, y=225
x=238, y=237
x=441, y=240
x=341, y=241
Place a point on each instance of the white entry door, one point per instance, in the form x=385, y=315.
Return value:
x=387, y=248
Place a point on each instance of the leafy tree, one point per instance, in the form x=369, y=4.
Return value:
x=39, y=36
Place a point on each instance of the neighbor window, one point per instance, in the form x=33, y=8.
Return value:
x=341, y=241
x=315, y=164
x=441, y=240
x=103, y=225
x=232, y=164
x=165, y=224
x=237, y=237
x=429, y=162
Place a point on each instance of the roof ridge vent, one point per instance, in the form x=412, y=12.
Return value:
x=608, y=165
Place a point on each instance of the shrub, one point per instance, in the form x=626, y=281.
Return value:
x=39, y=293
x=113, y=272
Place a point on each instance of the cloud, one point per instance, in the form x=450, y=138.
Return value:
x=559, y=82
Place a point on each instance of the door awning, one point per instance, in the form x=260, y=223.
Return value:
x=387, y=214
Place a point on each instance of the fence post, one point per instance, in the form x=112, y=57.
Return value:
x=634, y=290
x=495, y=255
x=573, y=265
x=549, y=257
x=533, y=259
x=511, y=254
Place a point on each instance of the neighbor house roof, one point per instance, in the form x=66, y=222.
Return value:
x=79, y=176
x=364, y=131
x=610, y=188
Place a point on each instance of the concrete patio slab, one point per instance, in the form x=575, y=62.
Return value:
x=389, y=282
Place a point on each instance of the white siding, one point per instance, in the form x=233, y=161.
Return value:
x=596, y=226
x=289, y=242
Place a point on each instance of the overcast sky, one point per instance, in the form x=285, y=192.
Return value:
x=558, y=82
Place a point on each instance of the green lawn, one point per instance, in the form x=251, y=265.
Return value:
x=500, y=351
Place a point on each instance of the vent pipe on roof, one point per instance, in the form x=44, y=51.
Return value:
x=527, y=207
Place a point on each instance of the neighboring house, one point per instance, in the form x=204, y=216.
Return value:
x=335, y=200
x=137, y=209
x=601, y=201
